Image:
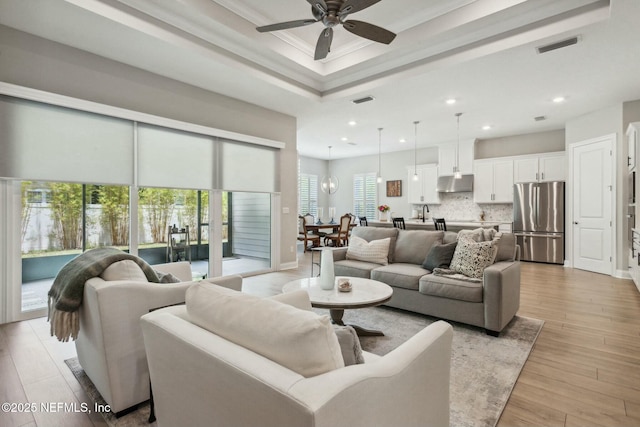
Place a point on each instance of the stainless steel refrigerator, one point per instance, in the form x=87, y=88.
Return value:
x=538, y=221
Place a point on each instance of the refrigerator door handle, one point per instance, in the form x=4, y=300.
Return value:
x=546, y=236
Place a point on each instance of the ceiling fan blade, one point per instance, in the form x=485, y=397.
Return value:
x=320, y=5
x=285, y=25
x=353, y=6
x=369, y=31
x=324, y=44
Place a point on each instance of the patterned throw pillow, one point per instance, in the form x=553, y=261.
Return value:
x=376, y=251
x=471, y=258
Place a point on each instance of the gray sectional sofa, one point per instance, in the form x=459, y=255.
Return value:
x=490, y=303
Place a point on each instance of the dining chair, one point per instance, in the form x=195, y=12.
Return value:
x=341, y=237
x=363, y=221
x=440, y=224
x=398, y=222
x=305, y=235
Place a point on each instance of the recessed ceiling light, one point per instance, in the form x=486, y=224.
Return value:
x=486, y=127
x=344, y=138
x=352, y=123
x=450, y=101
x=558, y=99
x=402, y=140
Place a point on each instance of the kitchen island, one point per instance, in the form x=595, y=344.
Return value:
x=453, y=225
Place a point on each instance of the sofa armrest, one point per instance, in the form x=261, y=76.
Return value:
x=501, y=294
x=339, y=254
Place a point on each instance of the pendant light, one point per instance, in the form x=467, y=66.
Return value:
x=379, y=177
x=329, y=183
x=456, y=169
x=415, y=152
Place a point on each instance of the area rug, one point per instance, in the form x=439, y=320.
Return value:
x=484, y=369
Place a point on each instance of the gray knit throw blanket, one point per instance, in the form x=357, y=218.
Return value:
x=65, y=295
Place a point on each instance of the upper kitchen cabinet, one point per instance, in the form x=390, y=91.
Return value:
x=447, y=157
x=633, y=136
x=493, y=181
x=539, y=168
x=424, y=189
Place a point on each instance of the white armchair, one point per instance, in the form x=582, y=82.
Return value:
x=202, y=379
x=109, y=344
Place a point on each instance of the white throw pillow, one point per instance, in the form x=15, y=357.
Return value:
x=124, y=270
x=471, y=258
x=299, y=340
x=376, y=251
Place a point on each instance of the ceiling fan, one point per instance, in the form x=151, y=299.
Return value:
x=332, y=13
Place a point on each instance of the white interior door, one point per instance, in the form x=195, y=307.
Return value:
x=592, y=198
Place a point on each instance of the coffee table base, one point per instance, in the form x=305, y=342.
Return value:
x=336, y=317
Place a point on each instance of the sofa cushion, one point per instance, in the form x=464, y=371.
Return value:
x=412, y=246
x=298, y=299
x=400, y=275
x=506, y=247
x=376, y=251
x=471, y=258
x=299, y=340
x=480, y=234
x=377, y=233
x=353, y=268
x=439, y=256
x=124, y=270
x=446, y=287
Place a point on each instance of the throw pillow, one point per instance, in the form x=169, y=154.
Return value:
x=349, y=345
x=376, y=251
x=471, y=258
x=124, y=270
x=439, y=256
x=167, y=277
x=299, y=340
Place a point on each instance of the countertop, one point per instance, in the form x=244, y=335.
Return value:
x=453, y=223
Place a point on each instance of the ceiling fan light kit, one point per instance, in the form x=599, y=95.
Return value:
x=332, y=13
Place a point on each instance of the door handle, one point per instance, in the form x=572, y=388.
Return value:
x=575, y=222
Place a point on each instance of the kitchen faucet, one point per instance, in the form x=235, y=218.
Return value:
x=424, y=206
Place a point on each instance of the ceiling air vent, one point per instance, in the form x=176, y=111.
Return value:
x=557, y=45
x=361, y=100
x=540, y=118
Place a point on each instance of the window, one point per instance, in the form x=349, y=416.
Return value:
x=365, y=195
x=308, y=193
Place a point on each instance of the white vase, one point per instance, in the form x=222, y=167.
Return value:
x=327, y=275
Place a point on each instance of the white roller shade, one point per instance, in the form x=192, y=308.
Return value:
x=174, y=159
x=44, y=142
x=247, y=167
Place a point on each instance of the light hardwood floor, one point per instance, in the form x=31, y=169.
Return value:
x=583, y=371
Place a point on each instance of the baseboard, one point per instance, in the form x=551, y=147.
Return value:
x=622, y=274
x=288, y=265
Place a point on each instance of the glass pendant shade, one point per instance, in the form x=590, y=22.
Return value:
x=456, y=169
x=329, y=183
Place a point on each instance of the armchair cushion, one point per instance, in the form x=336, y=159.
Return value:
x=297, y=339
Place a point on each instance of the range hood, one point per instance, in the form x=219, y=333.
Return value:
x=449, y=184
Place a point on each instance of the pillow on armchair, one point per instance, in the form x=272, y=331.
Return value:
x=124, y=270
x=299, y=340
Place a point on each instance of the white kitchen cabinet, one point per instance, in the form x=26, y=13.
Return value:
x=633, y=137
x=539, y=168
x=424, y=189
x=447, y=157
x=493, y=181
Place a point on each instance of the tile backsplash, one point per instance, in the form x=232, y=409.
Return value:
x=460, y=206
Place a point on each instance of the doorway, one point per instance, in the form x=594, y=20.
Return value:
x=592, y=204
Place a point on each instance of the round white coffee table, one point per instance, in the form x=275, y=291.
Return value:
x=364, y=293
